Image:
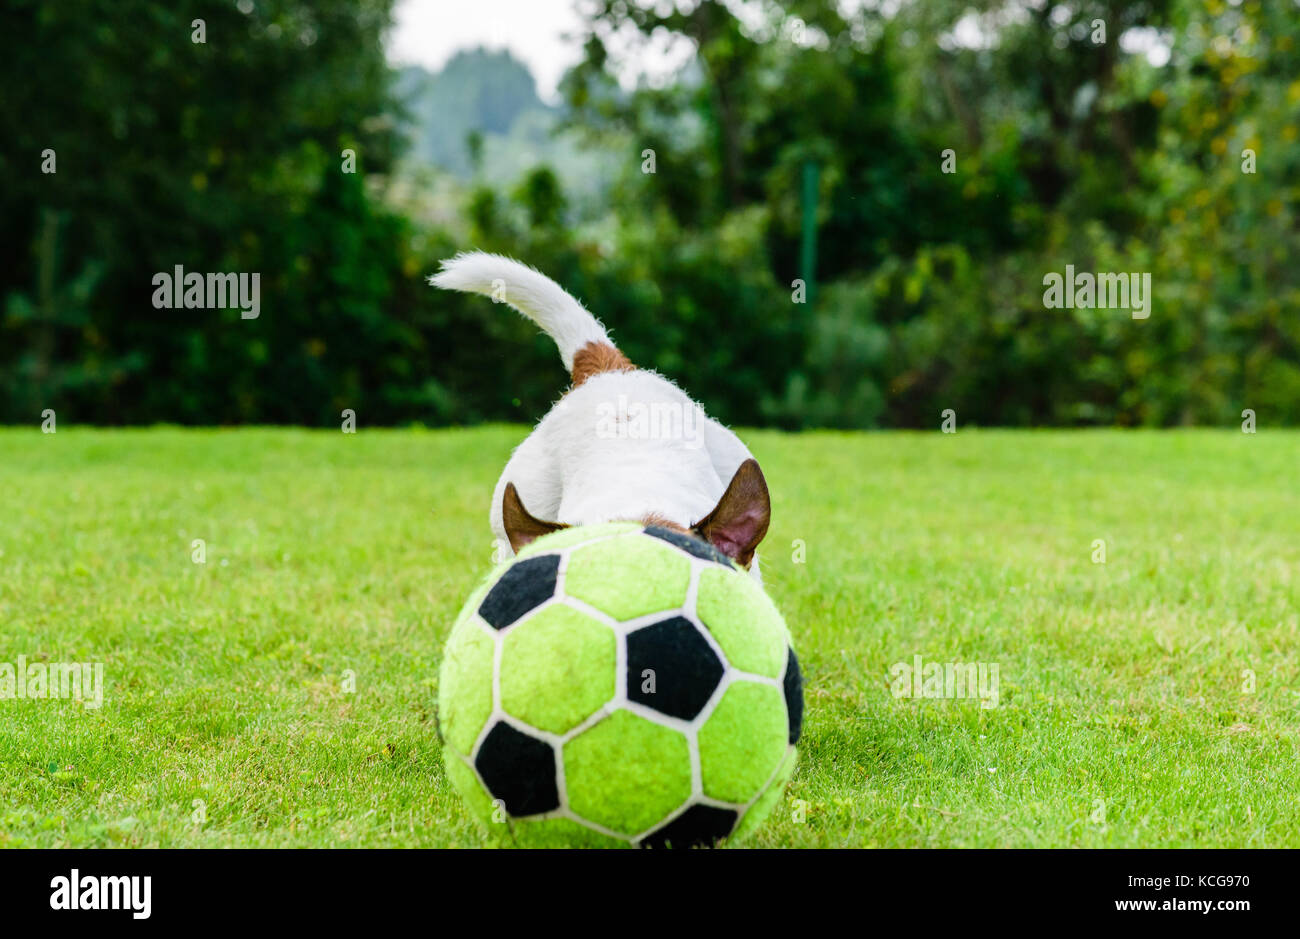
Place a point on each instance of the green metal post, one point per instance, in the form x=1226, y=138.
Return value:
x=808, y=244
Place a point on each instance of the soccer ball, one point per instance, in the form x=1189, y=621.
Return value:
x=619, y=684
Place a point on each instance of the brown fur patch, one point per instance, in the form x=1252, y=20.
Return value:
x=597, y=357
x=521, y=527
x=740, y=519
x=656, y=519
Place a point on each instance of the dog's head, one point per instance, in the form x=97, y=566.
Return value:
x=735, y=526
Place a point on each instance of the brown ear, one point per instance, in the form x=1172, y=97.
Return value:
x=739, y=521
x=522, y=528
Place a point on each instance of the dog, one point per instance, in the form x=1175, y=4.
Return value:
x=622, y=444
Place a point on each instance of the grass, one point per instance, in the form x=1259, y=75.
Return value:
x=1125, y=717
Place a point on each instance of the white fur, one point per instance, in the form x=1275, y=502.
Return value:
x=530, y=292
x=571, y=469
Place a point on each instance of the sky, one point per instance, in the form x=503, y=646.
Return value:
x=429, y=32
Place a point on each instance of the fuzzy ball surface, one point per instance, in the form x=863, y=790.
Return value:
x=619, y=685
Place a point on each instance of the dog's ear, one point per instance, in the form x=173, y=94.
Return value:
x=521, y=527
x=739, y=521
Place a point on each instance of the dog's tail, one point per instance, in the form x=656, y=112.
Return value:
x=537, y=297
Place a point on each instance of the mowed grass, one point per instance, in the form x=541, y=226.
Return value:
x=1126, y=714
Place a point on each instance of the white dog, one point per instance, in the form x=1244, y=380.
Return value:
x=622, y=444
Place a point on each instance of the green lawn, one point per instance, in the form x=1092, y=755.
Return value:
x=1125, y=715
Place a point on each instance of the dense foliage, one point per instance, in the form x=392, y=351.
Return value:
x=1124, y=151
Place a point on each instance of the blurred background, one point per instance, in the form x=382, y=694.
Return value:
x=792, y=140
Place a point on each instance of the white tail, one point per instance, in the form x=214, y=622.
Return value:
x=530, y=292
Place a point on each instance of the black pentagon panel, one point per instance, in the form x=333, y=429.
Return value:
x=793, y=687
x=699, y=826
x=519, y=770
x=523, y=587
x=685, y=670
x=692, y=546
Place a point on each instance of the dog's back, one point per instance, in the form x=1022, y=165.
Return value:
x=622, y=443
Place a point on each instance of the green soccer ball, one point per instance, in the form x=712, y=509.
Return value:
x=619, y=684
